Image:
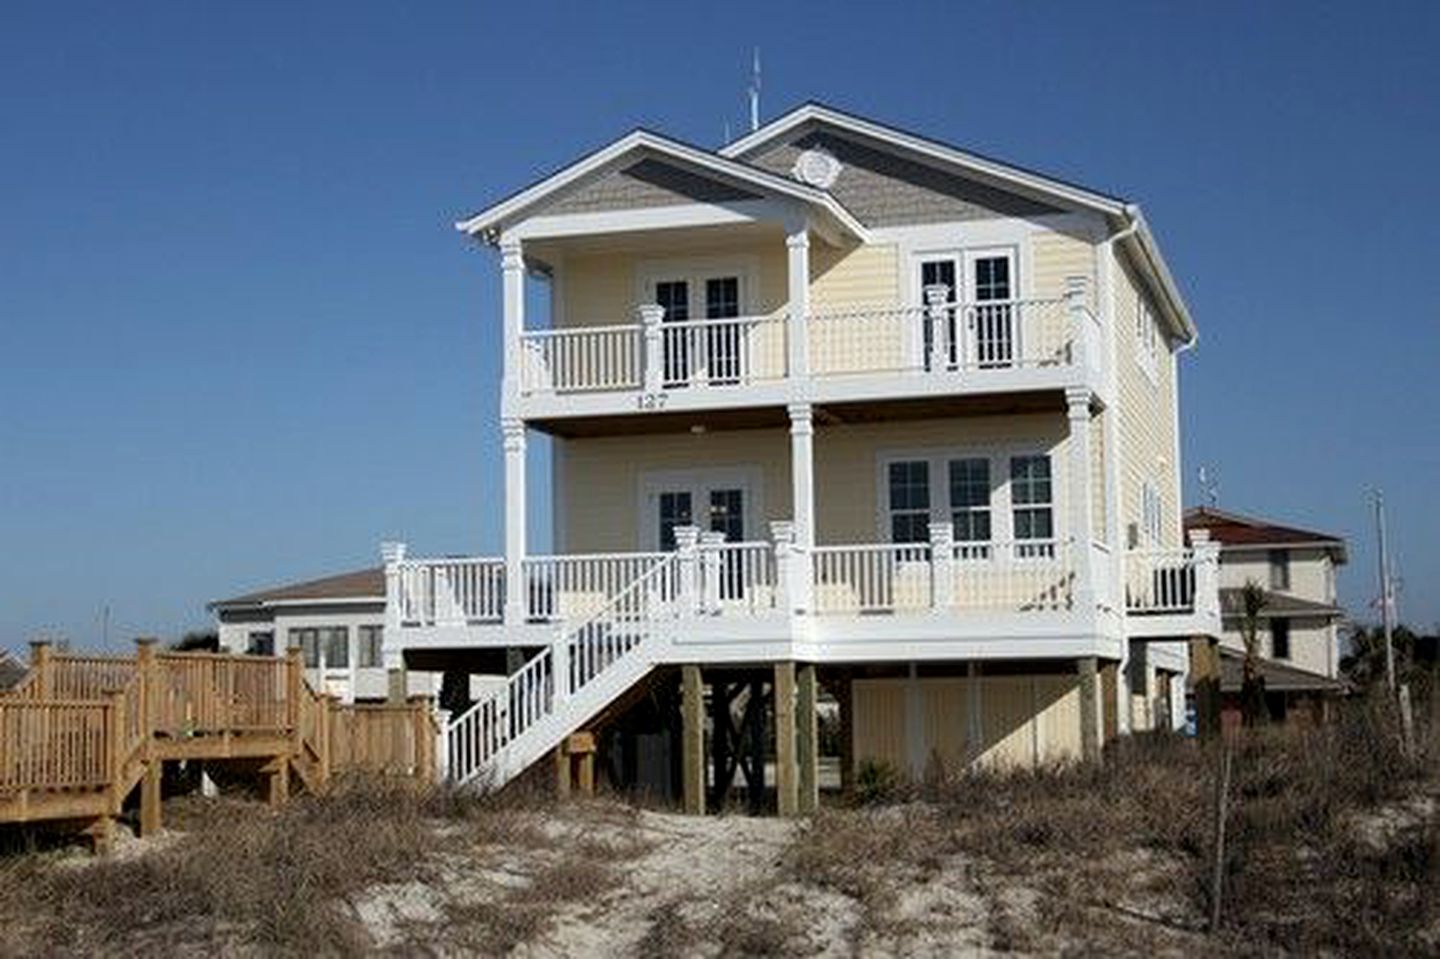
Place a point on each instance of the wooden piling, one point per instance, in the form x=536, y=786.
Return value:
x=1090, y=721
x=808, y=740
x=692, y=735
x=786, y=785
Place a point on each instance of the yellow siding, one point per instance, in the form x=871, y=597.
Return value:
x=601, y=289
x=1024, y=720
x=843, y=279
x=1055, y=257
x=601, y=477
x=1147, y=418
x=879, y=706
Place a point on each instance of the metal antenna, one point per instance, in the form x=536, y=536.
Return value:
x=1209, y=486
x=1387, y=591
x=755, y=92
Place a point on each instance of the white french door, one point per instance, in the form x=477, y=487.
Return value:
x=700, y=352
x=976, y=325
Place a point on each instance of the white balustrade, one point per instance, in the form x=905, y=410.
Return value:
x=582, y=359
x=568, y=587
x=724, y=352
x=1160, y=581
x=739, y=578
x=940, y=337
x=1027, y=576
x=875, y=578
x=450, y=591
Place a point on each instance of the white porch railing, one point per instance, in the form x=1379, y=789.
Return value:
x=568, y=587
x=582, y=359
x=435, y=592
x=654, y=354
x=1160, y=581
x=737, y=578
x=724, y=352
x=945, y=337
x=1020, y=577
x=873, y=578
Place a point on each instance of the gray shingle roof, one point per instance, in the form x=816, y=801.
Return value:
x=357, y=584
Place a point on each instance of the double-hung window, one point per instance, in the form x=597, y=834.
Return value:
x=970, y=506
x=370, y=654
x=909, y=501
x=1279, y=569
x=330, y=642
x=1279, y=639
x=1151, y=518
x=1032, y=506
x=1147, y=338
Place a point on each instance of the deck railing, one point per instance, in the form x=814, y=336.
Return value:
x=948, y=337
x=55, y=744
x=1159, y=581
x=572, y=586
x=873, y=578
x=654, y=353
x=450, y=591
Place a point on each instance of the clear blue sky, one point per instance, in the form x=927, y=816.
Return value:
x=241, y=343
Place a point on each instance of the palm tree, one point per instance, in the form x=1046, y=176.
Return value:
x=1253, y=711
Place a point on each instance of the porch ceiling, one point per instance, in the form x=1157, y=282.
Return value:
x=829, y=414
x=659, y=242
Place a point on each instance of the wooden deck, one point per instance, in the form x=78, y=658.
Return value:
x=79, y=734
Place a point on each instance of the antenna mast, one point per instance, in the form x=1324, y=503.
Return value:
x=755, y=92
x=1387, y=591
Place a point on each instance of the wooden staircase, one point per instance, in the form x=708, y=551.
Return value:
x=79, y=734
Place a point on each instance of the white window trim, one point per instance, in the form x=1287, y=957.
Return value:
x=699, y=483
x=1146, y=339
x=1002, y=517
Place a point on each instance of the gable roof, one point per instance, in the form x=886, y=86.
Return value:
x=644, y=144
x=1237, y=530
x=361, y=585
x=1125, y=218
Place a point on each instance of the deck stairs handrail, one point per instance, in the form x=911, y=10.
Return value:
x=588, y=665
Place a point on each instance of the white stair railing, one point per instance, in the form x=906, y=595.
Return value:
x=588, y=665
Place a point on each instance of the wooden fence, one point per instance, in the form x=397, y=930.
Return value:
x=82, y=722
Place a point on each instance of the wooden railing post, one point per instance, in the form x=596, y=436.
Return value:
x=41, y=660
x=114, y=747
x=651, y=315
x=147, y=684
x=942, y=565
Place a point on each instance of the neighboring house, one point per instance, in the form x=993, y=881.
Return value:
x=835, y=406
x=338, y=622
x=1299, y=624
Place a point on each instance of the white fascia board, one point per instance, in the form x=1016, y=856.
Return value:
x=561, y=225
x=230, y=606
x=1152, y=263
x=645, y=141
x=989, y=169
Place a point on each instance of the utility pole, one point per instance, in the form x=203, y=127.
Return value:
x=755, y=92
x=1387, y=595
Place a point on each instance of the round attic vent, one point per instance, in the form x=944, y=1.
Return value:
x=816, y=167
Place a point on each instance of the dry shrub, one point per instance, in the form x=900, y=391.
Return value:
x=242, y=875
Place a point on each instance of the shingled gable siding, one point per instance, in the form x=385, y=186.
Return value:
x=885, y=189
x=648, y=183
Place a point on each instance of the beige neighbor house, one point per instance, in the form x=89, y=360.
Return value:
x=836, y=410
x=337, y=622
x=1299, y=623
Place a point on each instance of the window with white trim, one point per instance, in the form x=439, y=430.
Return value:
x=909, y=505
x=331, y=642
x=1147, y=337
x=1151, y=515
x=1032, y=505
x=970, y=505
x=371, y=655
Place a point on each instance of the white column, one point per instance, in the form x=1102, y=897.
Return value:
x=942, y=565
x=802, y=472
x=1080, y=345
x=686, y=538
x=512, y=269
x=1207, y=576
x=710, y=543
x=1081, y=528
x=797, y=338
x=651, y=316
x=392, y=554
x=782, y=532
x=514, y=431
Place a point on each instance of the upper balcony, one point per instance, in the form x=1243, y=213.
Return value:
x=659, y=362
